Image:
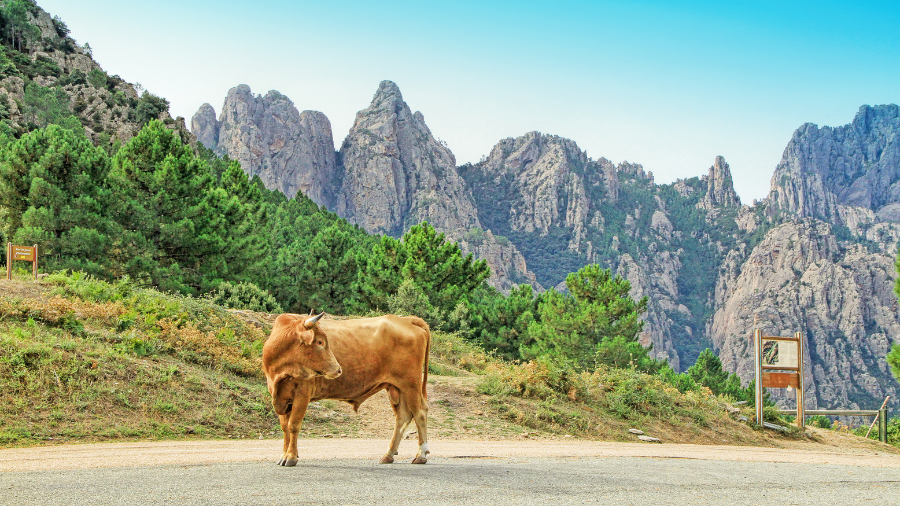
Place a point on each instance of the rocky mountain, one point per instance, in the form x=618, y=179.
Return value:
x=839, y=293
x=396, y=174
x=825, y=170
x=290, y=151
x=827, y=266
x=52, y=79
x=390, y=173
x=816, y=255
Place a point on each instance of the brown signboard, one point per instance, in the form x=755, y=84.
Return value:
x=782, y=354
x=780, y=380
x=25, y=253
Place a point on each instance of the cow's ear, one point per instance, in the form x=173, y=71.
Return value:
x=305, y=335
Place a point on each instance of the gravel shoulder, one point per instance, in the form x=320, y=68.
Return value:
x=138, y=454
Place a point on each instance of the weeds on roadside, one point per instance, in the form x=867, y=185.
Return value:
x=622, y=393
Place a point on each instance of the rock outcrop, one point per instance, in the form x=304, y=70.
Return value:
x=569, y=210
x=396, y=174
x=205, y=126
x=290, y=151
x=107, y=107
x=840, y=295
x=541, y=169
x=855, y=165
x=719, y=187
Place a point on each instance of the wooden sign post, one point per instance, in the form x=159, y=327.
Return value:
x=26, y=253
x=783, y=354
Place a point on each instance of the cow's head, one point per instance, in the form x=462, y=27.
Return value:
x=311, y=357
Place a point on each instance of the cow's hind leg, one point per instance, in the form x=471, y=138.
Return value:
x=402, y=418
x=418, y=408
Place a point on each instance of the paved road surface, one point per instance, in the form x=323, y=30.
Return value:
x=463, y=472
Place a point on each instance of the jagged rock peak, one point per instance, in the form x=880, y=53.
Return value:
x=825, y=169
x=720, y=187
x=396, y=173
x=289, y=150
x=205, y=126
x=516, y=154
x=546, y=172
x=388, y=89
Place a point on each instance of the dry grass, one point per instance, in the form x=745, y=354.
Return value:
x=83, y=360
x=146, y=365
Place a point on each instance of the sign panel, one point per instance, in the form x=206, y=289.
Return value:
x=774, y=353
x=777, y=354
x=780, y=380
x=25, y=253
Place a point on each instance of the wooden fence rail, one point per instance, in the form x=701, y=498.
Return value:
x=880, y=413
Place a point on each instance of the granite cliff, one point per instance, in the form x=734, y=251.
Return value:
x=816, y=255
x=53, y=79
x=827, y=266
x=390, y=173
x=290, y=151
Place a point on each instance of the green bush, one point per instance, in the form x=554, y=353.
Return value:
x=149, y=107
x=411, y=300
x=245, y=296
x=823, y=422
x=97, y=78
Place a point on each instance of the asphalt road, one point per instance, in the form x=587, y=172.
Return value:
x=605, y=476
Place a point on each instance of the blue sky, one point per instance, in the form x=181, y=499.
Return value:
x=668, y=85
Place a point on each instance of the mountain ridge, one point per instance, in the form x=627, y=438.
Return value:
x=689, y=245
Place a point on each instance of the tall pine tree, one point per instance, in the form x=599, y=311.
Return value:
x=174, y=234
x=52, y=183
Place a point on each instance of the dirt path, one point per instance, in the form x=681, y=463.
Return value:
x=198, y=452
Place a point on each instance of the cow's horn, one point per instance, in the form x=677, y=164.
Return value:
x=310, y=311
x=311, y=322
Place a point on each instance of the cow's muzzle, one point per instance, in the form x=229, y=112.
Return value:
x=333, y=373
x=284, y=409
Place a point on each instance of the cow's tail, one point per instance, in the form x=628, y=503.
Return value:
x=418, y=322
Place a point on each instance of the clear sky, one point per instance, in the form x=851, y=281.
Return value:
x=669, y=85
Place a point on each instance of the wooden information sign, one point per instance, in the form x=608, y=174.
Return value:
x=783, y=354
x=25, y=253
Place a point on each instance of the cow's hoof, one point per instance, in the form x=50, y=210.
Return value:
x=287, y=462
x=387, y=459
x=419, y=460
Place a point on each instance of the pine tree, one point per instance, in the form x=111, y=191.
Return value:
x=246, y=217
x=174, y=233
x=437, y=266
x=500, y=323
x=52, y=182
x=598, y=323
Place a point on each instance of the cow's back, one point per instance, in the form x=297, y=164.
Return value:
x=374, y=352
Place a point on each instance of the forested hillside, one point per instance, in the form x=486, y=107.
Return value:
x=637, y=274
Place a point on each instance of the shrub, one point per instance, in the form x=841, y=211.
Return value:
x=823, y=422
x=245, y=296
x=97, y=78
x=411, y=300
x=149, y=107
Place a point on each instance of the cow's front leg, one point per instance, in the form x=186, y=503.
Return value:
x=290, y=425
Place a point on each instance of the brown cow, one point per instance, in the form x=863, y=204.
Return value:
x=306, y=359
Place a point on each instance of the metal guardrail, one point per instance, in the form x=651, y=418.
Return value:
x=880, y=413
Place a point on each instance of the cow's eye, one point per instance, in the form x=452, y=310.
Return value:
x=320, y=343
